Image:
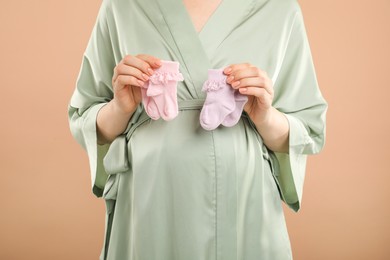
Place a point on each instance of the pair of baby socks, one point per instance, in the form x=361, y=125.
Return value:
x=223, y=104
x=159, y=94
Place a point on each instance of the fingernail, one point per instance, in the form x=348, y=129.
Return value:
x=230, y=79
x=157, y=62
x=140, y=82
x=228, y=70
x=243, y=89
x=150, y=71
x=235, y=84
x=146, y=77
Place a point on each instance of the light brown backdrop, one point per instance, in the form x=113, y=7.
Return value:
x=47, y=209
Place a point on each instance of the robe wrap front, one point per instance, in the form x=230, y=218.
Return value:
x=172, y=189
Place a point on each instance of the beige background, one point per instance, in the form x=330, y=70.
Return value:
x=47, y=209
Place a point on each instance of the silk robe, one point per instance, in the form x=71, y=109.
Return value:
x=172, y=189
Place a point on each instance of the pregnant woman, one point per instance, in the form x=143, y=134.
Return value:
x=207, y=180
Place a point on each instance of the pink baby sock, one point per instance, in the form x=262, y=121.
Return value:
x=149, y=104
x=234, y=117
x=219, y=100
x=162, y=91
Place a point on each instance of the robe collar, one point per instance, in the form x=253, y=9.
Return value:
x=194, y=50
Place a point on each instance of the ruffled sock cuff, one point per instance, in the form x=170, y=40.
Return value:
x=216, y=80
x=169, y=71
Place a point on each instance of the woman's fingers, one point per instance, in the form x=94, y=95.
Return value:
x=245, y=75
x=129, y=74
x=246, y=72
x=246, y=82
x=258, y=82
x=123, y=80
x=260, y=93
x=138, y=63
x=234, y=67
x=151, y=60
x=139, y=66
x=124, y=69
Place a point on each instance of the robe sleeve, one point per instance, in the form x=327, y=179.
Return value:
x=93, y=90
x=298, y=96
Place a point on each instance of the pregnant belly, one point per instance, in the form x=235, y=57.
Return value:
x=183, y=143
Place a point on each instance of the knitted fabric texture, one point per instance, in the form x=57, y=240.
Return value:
x=160, y=92
x=233, y=118
x=219, y=100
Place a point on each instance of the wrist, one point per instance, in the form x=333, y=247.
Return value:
x=264, y=118
x=119, y=111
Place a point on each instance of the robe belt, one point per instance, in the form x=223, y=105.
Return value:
x=191, y=104
x=116, y=160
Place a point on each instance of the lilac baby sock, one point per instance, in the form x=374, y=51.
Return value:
x=234, y=117
x=162, y=90
x=219, y=100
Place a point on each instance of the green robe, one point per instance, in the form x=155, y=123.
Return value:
x=173, y=190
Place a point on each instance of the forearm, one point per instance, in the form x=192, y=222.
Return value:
x=111, y=122
x=274, y=130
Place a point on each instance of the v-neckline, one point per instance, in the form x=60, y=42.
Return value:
x=208, y=18
x=196, y=49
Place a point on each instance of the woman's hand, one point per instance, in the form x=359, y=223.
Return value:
x=129, y=75
x=271, y=124
x=256, y=84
